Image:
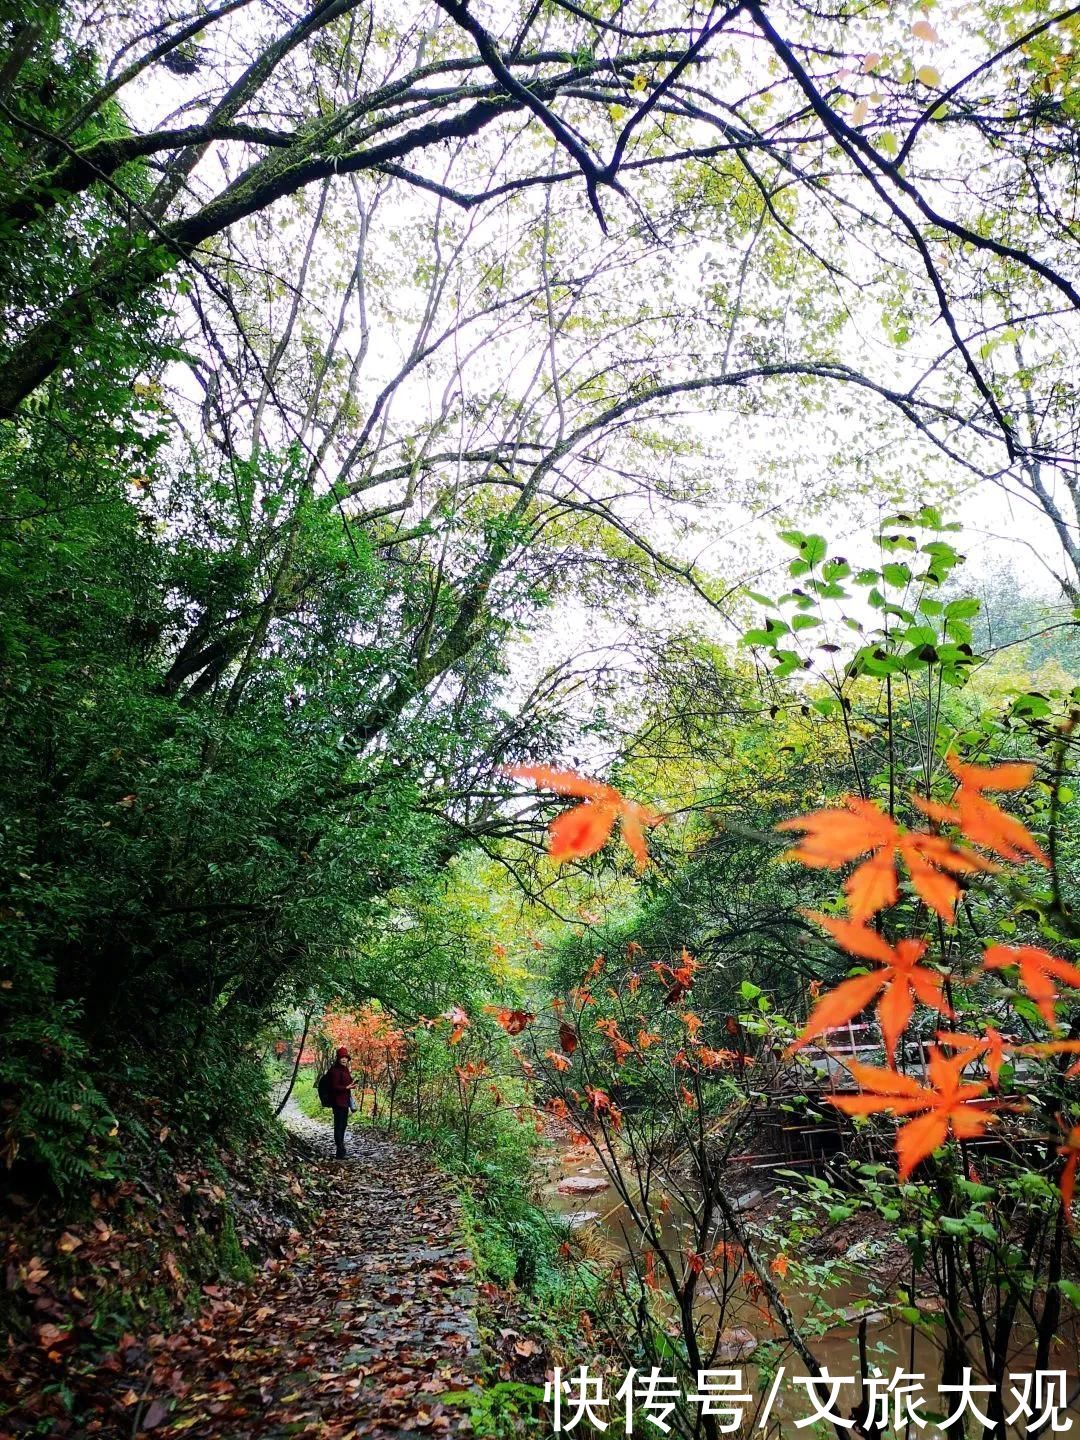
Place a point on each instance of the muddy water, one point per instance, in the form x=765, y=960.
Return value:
x=601, y=1217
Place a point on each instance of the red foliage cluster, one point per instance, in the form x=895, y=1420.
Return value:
x=377, y=1046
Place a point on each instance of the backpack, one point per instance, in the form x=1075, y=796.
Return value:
x=322, y=1085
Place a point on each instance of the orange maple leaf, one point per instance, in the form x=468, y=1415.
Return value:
x=622, y=1048
x=779, y=1266
x=584, y=829
x=900, y=982
x=679, y=978
x=724, y=1253
x=1067, y=1181
x=1055, y=1047
x=645, y=1038
x=833, y=837
x=692, y=1022
x=560, y=1062
x=459, y=1023
x=1040, y=974
x=472, y=1070
x=649, y=1275
x=594, y=970
x=990, y=1048
x=978, y=818
x=715, y=1059
x=947, y=1106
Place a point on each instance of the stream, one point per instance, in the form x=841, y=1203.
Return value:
x=577, y=1191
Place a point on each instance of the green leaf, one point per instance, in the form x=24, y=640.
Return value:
x=964, y=609
x=896, y=574
x=919, y=635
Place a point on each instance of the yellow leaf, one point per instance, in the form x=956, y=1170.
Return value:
x=927, y=75
x=639, y=82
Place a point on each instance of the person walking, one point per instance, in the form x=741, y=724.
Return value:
x=341, y=1084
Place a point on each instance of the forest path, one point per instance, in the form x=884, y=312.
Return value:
x=367, y=1330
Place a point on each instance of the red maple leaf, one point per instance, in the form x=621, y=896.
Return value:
x=568, y=1037
x=584, y=829
x=512, y=1021
x=947, y=1106
x=900, y=982
x=834, y=837
x=1040, y=974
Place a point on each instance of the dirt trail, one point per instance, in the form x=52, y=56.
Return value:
x=367, y=1330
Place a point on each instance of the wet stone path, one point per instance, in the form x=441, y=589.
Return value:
x=369, y=1329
